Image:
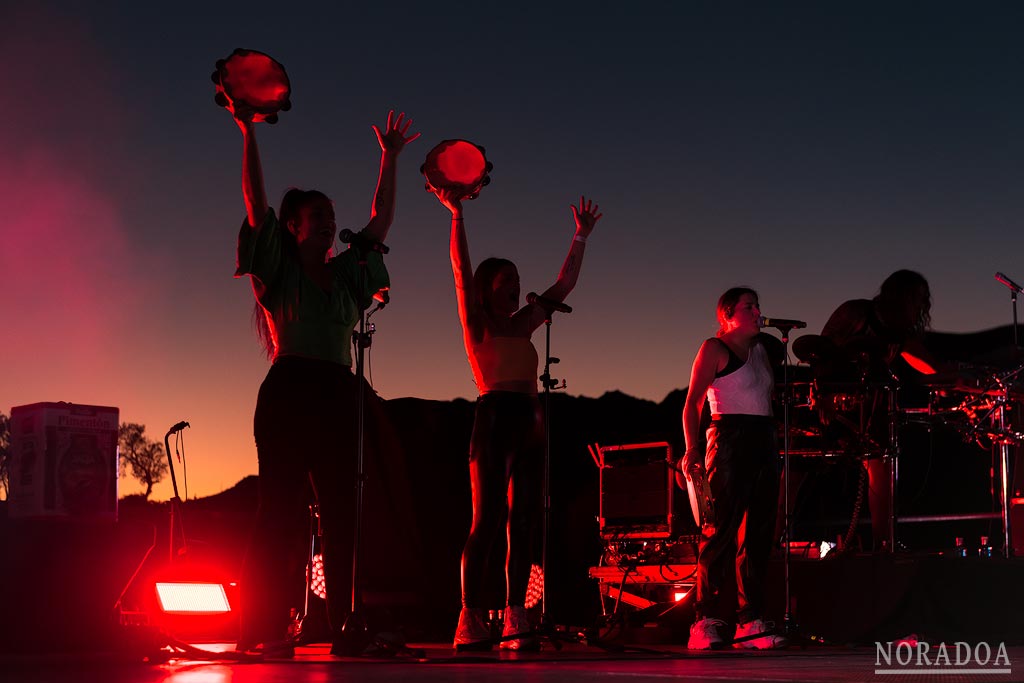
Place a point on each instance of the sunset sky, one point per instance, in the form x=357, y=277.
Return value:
x=807, y=149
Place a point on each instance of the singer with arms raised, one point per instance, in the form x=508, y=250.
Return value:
x=732, y=371
x=305, y=421
x=508, y=440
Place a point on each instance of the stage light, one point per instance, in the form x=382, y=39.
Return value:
x=317, y=582
x=192, y=598
x=679, y=595
x=535, y=588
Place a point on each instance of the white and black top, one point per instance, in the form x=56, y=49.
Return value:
x=743, y=387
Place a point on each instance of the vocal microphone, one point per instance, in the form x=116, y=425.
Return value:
x=361, y=241
x=178, y=427
x=782, y=323
x=547, y=304
x=1008, y=282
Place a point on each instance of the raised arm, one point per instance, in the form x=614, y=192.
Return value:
x=585, y=216
x=392, y=141
x=711, y=357
x=462, y=267
x=253, y=191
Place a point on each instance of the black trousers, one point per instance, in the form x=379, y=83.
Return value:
x=306, y=439
x=743, y=476
x=506, y=471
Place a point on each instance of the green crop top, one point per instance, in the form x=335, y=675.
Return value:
x=304, y=319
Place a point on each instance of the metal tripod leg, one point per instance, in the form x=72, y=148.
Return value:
x=893, y=457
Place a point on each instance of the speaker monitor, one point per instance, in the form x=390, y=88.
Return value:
x=637, y=486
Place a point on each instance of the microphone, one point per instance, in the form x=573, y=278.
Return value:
x=1008, y=282
x=361, y=241
x=178, y=427
x=782, y=323
x=546, y=303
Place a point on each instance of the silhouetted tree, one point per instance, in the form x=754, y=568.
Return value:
x=5, y=454
x=144, y=457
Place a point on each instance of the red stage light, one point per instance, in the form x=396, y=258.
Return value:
x=192, y=598
x=535, y=589
x=318, y=583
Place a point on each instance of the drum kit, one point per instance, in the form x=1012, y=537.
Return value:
x=851, y=404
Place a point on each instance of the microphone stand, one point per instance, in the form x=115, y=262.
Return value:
x=789, y=627
x=547, y=629
x=175, y=502
x=354, y=636
x=1014, y=288
x=1004, y=440
x=788, y=624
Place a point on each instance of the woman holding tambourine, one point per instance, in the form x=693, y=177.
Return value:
x=305, y=423
x=508, y=433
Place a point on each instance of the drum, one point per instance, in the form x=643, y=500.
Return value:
x=255, y=79
x=458, y=165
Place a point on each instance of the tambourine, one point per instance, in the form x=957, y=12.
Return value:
x=700, y=499
x=457, y=164
x=255, y=79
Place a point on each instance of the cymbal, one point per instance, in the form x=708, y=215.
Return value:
x=811, y=348
x=866, y=348
x=973, y=381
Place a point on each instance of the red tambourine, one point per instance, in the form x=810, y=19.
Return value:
x=255, y=79
x=457, y=164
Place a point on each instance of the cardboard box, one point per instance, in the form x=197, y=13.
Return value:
x=63, y=461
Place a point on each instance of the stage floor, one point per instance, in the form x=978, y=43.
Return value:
x=573, y=663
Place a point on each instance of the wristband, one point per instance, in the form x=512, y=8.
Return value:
x=579, y=238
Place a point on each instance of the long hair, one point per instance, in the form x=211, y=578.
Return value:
x=483, y=282
x=905, y=302
x=291, y=205
x=727, y=305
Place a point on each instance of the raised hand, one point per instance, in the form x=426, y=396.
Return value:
x=451, y=198
x=393, y=138
x=585, y=216
x=243, y=114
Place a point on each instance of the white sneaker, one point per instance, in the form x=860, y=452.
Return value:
x=769, y=641
x=473, y=632
x=517, y=621
x=706, y=634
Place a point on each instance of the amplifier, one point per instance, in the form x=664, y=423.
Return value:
x=645, y=573
x=637, y=485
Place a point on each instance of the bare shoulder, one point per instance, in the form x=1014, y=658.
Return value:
x=713, y=350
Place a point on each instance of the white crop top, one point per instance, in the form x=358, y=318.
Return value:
x=747, y=390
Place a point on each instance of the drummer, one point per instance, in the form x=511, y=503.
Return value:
x=889, y=326
x=876, y=340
